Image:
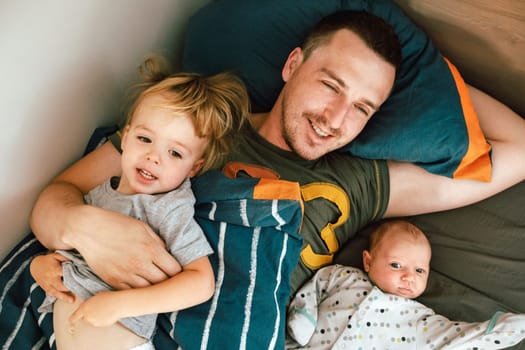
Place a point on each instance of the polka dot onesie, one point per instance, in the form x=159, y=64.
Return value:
x=339, y=308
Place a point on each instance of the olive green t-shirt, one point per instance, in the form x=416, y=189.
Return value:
x=341, y=195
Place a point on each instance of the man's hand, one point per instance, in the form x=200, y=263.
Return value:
x=47, y=272
x=125, y=252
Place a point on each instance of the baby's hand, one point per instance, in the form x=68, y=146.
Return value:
x=47, y=272
x=101, y=310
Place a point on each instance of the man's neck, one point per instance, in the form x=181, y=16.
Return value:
x=257, y=120
x=269, y=127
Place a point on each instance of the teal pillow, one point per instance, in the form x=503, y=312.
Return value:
x=428, y=120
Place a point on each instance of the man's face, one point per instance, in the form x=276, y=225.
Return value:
x=328, y=98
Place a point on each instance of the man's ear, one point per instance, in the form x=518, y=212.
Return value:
x=366, y=260
x=294, y=60
x=197, y=166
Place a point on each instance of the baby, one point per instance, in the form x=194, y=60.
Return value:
x=374, y=309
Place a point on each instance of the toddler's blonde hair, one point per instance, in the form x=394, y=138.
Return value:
x=218, y=105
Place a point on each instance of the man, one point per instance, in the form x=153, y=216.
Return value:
x=333, y=85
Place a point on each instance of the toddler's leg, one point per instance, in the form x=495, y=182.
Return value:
x=85, y=336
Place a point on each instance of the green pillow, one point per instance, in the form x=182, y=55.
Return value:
x=428, y=120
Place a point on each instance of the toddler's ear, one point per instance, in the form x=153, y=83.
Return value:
x=124, y=137
x=197, y=166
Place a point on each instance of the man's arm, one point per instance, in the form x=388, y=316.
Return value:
x=60, y=208
x=121, y=250
x=415, y=191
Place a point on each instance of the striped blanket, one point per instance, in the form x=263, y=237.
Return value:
x=253, y=226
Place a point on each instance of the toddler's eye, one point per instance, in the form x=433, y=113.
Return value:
x=395, y=265
x=420, y=270
x=175, y=154
x=144, y=139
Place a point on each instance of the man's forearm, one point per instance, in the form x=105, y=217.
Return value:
x=59, y=212
x=52, y=212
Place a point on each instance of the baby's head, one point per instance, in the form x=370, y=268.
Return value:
x=179, y=126
x=398, y=259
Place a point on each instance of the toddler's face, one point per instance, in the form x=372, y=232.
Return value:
x=159, y=149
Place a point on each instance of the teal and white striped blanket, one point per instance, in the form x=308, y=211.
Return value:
x=253, y=226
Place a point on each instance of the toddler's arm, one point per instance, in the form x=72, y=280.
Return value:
x=192, y=286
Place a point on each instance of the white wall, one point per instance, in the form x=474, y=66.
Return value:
x=64, y=66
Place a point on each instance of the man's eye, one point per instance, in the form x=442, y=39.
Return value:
x=330, y=86
x=362, y=110
x=395, y=265
x=144, y=139
x=175, y=154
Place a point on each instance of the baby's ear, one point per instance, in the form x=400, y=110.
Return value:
x=366, y=260
x=197, y=166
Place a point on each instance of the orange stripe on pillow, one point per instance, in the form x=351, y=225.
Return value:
x=476, y=163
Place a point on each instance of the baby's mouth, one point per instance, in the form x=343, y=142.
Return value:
x=405, y=291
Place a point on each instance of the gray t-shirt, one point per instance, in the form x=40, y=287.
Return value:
x=169, y=214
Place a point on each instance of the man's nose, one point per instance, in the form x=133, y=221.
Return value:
x=337, y=113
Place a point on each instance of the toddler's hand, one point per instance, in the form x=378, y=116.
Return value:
x=100, y=310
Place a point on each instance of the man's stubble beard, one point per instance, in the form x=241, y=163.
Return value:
x=286, y=132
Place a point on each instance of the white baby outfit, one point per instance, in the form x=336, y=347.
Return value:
x=339, y=308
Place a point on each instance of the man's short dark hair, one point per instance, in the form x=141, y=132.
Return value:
x=378, y=35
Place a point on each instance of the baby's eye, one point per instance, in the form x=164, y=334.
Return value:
x=420, y=270
x=175, y=154
x=144, y=139
x=395, y=265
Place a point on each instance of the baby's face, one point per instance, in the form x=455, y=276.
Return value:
x=400, y=264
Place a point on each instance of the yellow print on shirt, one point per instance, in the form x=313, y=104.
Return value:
x=336, y=195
